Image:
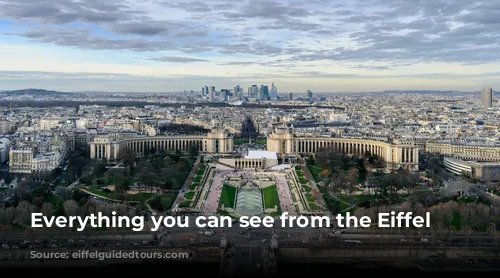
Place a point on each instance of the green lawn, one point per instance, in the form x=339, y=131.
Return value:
x=140, y=197
x=310, y=198
x=300, y=174
x=197, y=179
x=303, y=180
x=168, y=199
x=227, y=196
x=200, y=172
x=307, y=188
x=193, y=186
x=315, y=171
x=54, y=199
x=313, y=206
x=189, y=195
x=185, y=204
x=271, y=197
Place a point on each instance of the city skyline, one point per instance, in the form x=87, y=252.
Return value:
x=322, y=46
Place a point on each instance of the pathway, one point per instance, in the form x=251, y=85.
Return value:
x=286, y=201
x=212, y=201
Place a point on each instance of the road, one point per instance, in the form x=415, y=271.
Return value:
x=247, y=260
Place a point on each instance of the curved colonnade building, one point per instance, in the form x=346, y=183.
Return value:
x=396, y=154
x=218, y=140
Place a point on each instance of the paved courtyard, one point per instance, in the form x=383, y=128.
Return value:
x=211, y=204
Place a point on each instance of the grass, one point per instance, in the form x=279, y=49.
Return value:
x=185, y=204
x=197, y=179
x=307, y=188
x=168, y=199
x=189, y=195
x=200, y=172
x=54, y=199
x=271, y=197
x=303, y=180
x=193, y=186
x=466, y=200
x=227, y=196
x=315, y=171
x=310, y=198
x=224, y=213
x=456, y=220
x=313, y=206
x=139, y=197
x=300, y=174
x=355, y=198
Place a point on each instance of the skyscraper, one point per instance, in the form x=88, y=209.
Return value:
x=309, y=94
x=237, y=91
x=487, y=97
x=274, y=92
x=264, y=92
x=254, y=91
x=206, y=90
x=290, y=96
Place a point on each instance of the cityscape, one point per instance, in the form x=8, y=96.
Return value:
x=192, y=109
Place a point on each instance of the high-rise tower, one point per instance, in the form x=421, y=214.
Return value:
x=487, y=97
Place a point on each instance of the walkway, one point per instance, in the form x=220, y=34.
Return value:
x=286, y=201
x=212, y=201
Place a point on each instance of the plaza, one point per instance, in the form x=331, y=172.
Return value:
x=224, y=190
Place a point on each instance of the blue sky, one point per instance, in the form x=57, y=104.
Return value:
x=321, y=45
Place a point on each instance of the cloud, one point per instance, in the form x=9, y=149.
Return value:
x=237, y=63
x=171, y=59
x=375, y=35
x=82, y=38
x=66, y=11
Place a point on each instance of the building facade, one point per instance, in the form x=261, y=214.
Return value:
x=397, y=154
x=217, y=141
x=483, y=171
x=465, y=151
x=487, y=97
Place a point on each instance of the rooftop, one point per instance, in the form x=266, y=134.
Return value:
x=261, y=154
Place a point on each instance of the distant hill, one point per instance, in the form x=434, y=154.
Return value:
x=33, y=92
x=423, y=92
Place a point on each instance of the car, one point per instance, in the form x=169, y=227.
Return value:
x=210, y=233
x=264, y=240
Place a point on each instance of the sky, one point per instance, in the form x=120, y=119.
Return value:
x=318, y=45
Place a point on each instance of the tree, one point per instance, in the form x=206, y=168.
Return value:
x=353, y=176
x=371, y=160
x=127, y=155
x=193, y=150
x=47, y=209
x=99, y=167
x=324, y=174
x=117, y=175
x=71, y=208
